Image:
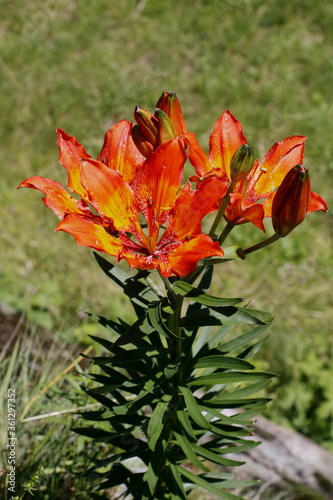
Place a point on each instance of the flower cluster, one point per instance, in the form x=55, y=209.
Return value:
x=132, y=202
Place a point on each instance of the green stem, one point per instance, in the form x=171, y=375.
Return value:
x=223, y=236
x=222, y=208
x=260, y=245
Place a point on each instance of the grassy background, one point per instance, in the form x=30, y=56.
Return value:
x=82, y=65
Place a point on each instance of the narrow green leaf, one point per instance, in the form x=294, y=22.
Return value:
x=200, y=481
x=223, y=362
x=154, y=466
x=189, y=453
x=138, y=292
x=230, y=253
x=230, y=315
x=213, y=457
x=137, y=331
x=175, y=477
x=219, y=335
x=243, y=340
x=193, y=408
x=248, y=390
x=225, y=402
x=157, y=321
x=229, y=378
x=191, y=292
x=186, y=424
x=96, y=434
x=156, y=424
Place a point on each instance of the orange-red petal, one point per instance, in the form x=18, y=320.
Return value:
x=316, y=203
x=226, y=138
x=89, y=234
x=239, y=211
x=109, y=194
x=192, y=206
x=196, y=155
x=281, y=158
x=57, y=198
x=119, y=151
x=158, y=180
x=70, y=154
x=184, y=259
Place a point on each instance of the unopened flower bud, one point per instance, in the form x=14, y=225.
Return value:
x=241, y=163
x=291, y=201
x=148, y=124
x=166, y=129
x=169, y=103
x=141, y=142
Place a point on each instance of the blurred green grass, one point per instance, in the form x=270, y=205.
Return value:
x=83, y=65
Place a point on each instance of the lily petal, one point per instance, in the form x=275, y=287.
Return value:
x=239, y=211
x=317, y=203
x=281, y=158
x=109, y=194
x=119, y=151
x=57, y=198
x=192, y=206
x=184, y=259
x=158, y=180
x=70, y=154
x=226, y=138
x=89, y=234
x=196, y=155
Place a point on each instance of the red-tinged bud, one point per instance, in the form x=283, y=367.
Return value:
x=141, y=142
x=291, y=201
x=148, y=124
x=166, y=129
x=241, y=163
x=169, y=103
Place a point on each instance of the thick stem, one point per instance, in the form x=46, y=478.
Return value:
x=260, y=245
x=222, y=208
x=223, y=236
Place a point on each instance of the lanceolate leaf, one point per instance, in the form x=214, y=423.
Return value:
x=156, y=423
x=175, y=477
x=214, y=457
x=193, y=408
x=223, y=362
x=224, y=316
x=135, y=332
x=243, y=340
x=157, y=321
x=189, y=453
x=208, y=486
x=229, y=378
x=186, y=424
x=138, y=292
x=190, y=292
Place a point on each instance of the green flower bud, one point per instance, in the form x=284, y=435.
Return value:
x=241, y=163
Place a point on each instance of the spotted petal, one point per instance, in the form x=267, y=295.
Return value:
x=184, y=259
x=158, y=180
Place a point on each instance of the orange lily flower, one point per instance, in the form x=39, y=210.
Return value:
x=251, y=198
x=133, y=207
